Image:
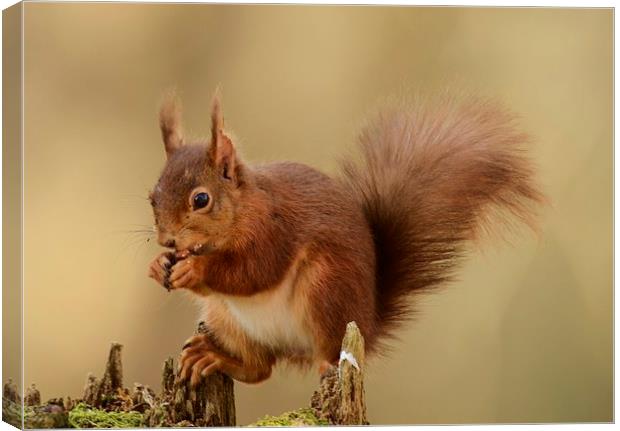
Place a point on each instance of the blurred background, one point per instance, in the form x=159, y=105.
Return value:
x=524, y=336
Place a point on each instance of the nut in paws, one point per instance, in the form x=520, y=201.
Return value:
x=187, y=273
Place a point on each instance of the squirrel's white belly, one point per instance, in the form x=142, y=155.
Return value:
x=275, y=317
x=270, y=318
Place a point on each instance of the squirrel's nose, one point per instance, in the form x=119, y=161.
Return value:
x=169, y=243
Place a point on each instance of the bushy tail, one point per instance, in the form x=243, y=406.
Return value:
x=435, y=174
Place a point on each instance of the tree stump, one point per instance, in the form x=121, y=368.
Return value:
x=351, y=379
x=112, y=381
x=341, y=398
x=12, y=411
x=143, y=398
x=10, y=393
x=160, y=415
x=32, y=396
x=167, y=378
x=210, y=403
x=91, y=388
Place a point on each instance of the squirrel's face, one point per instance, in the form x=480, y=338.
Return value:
x=194, y=199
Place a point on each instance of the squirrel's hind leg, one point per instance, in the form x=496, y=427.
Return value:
x=200, y=358
x=339, y=293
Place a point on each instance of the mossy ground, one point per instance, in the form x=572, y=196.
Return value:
x=83, y=416
x=296, y=418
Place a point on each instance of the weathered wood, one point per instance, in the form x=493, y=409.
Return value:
x=326, y=400
x=112, y=381
x=158, y=417
x=210, y=403
x=46, y=416
x=70, y=404
x=143, y=398
x=9, y=392
x=50, y=415
x=160, y=414
x=167, y=378
x=32, y=397
x=91, y=388
x=12, y=413
x=351, y=378
x=341, y=398
x=11, y=404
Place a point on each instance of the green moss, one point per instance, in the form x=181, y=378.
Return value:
x=83, y=416
x=11, y=412
x=296, y=418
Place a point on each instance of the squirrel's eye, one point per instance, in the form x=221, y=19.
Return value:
x=200, y=200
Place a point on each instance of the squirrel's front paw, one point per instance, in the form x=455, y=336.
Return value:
x=159, y=269
x=188, y=273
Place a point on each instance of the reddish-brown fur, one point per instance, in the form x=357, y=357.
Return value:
x=436, y=173
x=338, y=249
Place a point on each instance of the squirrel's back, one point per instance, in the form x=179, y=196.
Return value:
x=308, y=197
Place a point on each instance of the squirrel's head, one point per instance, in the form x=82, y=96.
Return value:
x=194, y=201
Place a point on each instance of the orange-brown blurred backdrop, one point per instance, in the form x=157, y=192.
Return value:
x=526, y=335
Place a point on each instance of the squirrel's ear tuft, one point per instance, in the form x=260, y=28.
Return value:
x=170, y=122
x=221, y=151
x=217, y=118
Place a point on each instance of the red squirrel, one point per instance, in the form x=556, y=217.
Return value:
x=283, y=256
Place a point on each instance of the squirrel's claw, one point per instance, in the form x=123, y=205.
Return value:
x=199, y=358
x=203, y=368
x=197, y=341
x=187, y=344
